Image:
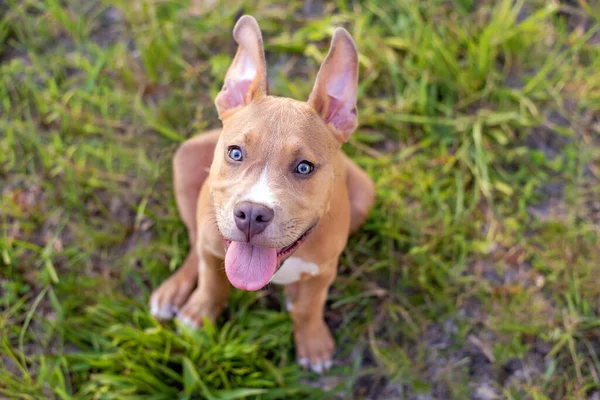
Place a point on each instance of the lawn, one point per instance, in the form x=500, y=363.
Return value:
x=477, y=274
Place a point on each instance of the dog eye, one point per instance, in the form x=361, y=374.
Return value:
x=235, y=153
x=305, y=168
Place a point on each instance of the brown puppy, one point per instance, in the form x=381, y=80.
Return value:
x=271, y=195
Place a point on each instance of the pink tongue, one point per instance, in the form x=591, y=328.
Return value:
x=249, y=267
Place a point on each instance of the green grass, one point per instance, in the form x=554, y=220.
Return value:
x=477, y=273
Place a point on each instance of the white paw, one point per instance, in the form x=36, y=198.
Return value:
x=161, y=311
x=321, y=366
x=187, y=321
x=304, y=363
x=289, y=306
x=318, y=367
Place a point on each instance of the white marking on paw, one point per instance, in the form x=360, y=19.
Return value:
x=158, y=312
x=153, y=305
x=317, y=367
x=291, y=269
x=187, y=321
x=303, y=362
x=261, y=192
x=289, y=306
x=328, y=365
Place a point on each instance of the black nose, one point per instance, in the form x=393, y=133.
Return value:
x=252, y=218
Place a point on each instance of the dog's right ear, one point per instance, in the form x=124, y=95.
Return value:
x=246, y=79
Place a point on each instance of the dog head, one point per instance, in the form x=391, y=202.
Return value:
x=272, y=175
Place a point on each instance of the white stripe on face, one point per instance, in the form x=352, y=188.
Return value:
x=260, y=192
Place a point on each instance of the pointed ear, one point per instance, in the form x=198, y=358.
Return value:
x=334, y=93
x=246, y=79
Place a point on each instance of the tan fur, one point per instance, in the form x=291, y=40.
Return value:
x=274, y=133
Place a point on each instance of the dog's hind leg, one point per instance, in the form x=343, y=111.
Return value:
x=361, y=192
x=190, y=169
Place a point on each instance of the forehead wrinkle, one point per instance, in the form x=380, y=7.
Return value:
x=298, y=150
x=239, y=135
x=281, y=120
x=248, y=136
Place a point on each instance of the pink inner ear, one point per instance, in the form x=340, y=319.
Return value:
x=342, y=98
x=233, y=92
x=238, y=80
x=342, y=115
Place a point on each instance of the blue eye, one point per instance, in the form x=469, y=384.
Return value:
x=305, y=168
x=235, y=153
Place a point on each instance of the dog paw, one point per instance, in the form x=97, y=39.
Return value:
x=314, y=347
x=192, y=314
x=289, y=306
x=166, y=301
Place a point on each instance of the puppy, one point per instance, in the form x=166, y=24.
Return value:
x=270, y=196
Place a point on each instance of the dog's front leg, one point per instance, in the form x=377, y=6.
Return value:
x=166, y=301
x=314, y=343
x=210, y=296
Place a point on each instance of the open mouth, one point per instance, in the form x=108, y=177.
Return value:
x=284, y=252
x=250, y=267
x=289, y=250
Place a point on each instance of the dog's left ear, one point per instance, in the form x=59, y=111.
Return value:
x=246, y=79
x=334, y=93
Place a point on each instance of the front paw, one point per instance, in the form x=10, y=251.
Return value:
x=170, y=297
x=192, y=314
x=314, y=346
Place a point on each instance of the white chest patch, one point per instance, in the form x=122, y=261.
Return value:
x=291, y=269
